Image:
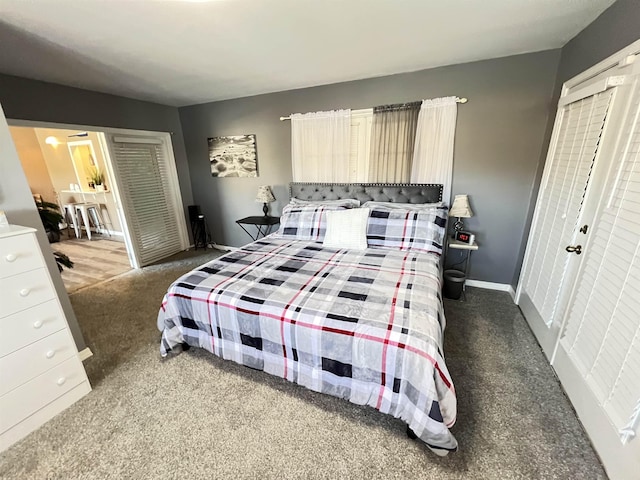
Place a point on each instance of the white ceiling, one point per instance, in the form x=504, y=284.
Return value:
x=181, y=52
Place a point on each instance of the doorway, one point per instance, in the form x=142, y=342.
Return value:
x=89, y=178
x=60, y=166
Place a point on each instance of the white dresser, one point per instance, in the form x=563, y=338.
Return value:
x=40, y=372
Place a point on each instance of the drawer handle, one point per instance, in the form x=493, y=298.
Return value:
x=61, y=381
x=24, y=292
x=11, y=257
x=50, y=353
x=37, y=324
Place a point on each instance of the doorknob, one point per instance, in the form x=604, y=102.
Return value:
x=571, y=249
x=584, y=229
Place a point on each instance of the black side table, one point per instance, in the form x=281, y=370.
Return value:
x=263, y=225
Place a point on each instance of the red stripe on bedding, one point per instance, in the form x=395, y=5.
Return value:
x=383, y=380
x=339, y=331
x=364, y=267
x=284, y=310
x=227, y=279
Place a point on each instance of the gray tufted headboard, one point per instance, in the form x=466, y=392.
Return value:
x=380, y=192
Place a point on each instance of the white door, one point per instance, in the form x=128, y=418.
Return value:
x=146, y=178
x=555, y=243
x=598, y=355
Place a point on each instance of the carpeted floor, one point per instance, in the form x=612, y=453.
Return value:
x=196, y=416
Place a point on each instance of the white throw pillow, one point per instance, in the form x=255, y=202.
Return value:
x=347, y=229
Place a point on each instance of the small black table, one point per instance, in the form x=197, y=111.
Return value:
x=263, y=225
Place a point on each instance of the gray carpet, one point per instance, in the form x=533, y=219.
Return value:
x=196, y=416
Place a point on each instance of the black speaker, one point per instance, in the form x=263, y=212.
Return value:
x=194, y=213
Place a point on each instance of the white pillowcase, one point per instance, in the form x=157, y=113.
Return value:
x=347, y=229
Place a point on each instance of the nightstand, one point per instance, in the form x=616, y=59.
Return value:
x=469, y=247
x=263, y=225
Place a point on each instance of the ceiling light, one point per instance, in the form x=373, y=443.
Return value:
x=52, y=141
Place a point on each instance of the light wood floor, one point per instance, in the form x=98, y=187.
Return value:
x=94, y=261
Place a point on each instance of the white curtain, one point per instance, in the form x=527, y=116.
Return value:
x=320, y=146
x=433, y=151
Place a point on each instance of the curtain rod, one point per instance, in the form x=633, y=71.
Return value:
x=458, y=100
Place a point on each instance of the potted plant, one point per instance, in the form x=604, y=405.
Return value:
x=97, y=179
x=51, y=217
x=62, y=260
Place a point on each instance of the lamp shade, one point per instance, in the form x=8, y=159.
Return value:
x=460, y=207
x=265, y=195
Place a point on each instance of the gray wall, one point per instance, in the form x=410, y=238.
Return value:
x=616, y=28
x=24, y=99
x=499, y=138
x=16, y=201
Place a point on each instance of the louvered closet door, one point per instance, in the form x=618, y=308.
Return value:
x=598, y=357
x=548, y=266
x=145, y=182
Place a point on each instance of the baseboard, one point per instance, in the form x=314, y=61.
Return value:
x=503, y=287
x=84, y=354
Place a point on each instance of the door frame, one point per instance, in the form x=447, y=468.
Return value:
x=173, y=172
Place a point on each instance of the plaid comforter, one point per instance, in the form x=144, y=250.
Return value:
x=366, y=326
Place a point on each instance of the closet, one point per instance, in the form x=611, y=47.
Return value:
x=580, y=284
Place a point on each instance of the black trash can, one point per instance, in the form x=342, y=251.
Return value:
x=453, y=284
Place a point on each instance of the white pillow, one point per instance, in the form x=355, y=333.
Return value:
x=347, y=229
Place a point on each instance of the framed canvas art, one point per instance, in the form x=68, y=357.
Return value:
x=233, y=156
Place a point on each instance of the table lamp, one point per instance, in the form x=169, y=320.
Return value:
x=265, y=196
x=460, y=209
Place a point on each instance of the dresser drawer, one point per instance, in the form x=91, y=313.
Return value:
x=29, y=362
x=35, y=420
x=28, y=326
x=18, y=254
x=24, y=290
x=21, y=402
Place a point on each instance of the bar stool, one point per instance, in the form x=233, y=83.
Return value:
x=86, y=210
x=70, y=211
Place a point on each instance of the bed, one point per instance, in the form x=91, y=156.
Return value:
x=365, y=325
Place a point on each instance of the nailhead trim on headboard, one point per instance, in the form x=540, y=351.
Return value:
x=380, y=192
